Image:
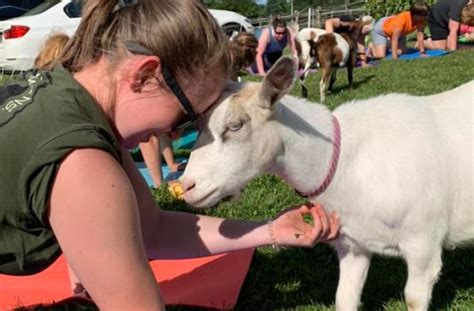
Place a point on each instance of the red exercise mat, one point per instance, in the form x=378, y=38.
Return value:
x=212, y=282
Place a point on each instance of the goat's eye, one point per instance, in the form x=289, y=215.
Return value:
x=235, y=127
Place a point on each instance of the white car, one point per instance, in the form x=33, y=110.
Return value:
x=21, y=38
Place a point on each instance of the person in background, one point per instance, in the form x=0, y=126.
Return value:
x=467, y=32
x=152, y=151
x=50, y=51
x=343, y=24
x=444, y=21
x=132, y=69
x=393, y=30
x=271, y=43
x=243, y=49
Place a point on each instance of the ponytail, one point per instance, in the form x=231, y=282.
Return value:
x=84, y=47
x=183, y=33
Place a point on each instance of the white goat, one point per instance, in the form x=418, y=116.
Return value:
x=404, y=179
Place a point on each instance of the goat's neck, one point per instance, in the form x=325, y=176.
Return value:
x=306, y=132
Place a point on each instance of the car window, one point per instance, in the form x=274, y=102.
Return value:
x=74, y=8
x=42, y=7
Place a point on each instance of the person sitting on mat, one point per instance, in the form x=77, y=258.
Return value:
x=271, y=43
x=152, y=151
x=444, y=20
x=394, y=29
x=69, y=184
x=343, y=24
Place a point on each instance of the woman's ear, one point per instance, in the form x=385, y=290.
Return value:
x=143, y=70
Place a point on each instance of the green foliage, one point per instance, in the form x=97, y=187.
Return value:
x=380, y=8
x=278, y=7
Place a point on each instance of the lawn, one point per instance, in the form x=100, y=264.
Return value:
x=306, y=279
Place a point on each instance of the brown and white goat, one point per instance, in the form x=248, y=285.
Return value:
x=330, y=51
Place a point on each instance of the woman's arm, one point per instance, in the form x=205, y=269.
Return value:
x=169, y=234
x=420, y=39
x=395, y=37
x=94, y=215
x=453, y=35
x=331, y=24
x=262, y=45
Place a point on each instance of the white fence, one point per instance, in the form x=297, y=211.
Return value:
x=315, y=17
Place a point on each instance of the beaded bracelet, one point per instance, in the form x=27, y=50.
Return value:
x=272, y=236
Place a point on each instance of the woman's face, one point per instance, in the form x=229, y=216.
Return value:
x=279, y=32
x=156, y=110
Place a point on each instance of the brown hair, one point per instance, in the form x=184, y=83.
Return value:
x=243, y=49
x=278, y=22
x=467, y=15
x=51, y=51
x=419, y=8
x=182, y=33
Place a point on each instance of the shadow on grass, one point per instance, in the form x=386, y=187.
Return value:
x=355, y=84
x=294, y=278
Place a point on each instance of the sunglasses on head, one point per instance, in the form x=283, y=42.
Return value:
x=191, y=116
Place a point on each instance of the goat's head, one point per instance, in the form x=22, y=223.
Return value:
x=238, y=138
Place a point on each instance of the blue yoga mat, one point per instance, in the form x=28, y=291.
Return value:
x=186, y=141
x=165, y=171
x=414, y=53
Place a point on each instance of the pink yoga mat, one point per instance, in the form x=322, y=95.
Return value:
x=212, y=282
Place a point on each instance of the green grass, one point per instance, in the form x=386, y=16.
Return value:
x=306, y=279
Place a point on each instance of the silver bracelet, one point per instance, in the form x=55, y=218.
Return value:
x=272, y=236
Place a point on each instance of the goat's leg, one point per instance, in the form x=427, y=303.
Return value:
x=333, y=78
x=353, y=269
x=324, y=83
x=424, y=264
x=304, y=89
x=350, y=68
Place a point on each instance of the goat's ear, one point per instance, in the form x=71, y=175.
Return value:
x=277, y=82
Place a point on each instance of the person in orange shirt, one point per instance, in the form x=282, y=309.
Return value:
x=394, y=29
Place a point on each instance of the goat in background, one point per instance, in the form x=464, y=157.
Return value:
x=329, y=51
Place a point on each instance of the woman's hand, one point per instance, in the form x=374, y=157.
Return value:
x=291, y=229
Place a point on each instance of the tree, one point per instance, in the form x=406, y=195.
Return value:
x=278, y=7
x=378, y=8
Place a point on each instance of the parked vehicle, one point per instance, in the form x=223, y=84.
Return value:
x=21, y=38
x=15, y=8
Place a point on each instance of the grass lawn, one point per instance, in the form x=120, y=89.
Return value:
x=306, y=279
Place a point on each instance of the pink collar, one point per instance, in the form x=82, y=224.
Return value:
x=335, y=159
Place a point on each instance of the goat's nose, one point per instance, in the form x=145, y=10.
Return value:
x=188, y=184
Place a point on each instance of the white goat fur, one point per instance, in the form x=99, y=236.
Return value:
x=403, y=185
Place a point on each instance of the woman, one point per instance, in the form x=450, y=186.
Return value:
x=273, y=40
x=394, y=29
x=444, y=22
x=68, y=183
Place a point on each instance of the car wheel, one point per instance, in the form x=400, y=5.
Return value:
x=230, y=28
